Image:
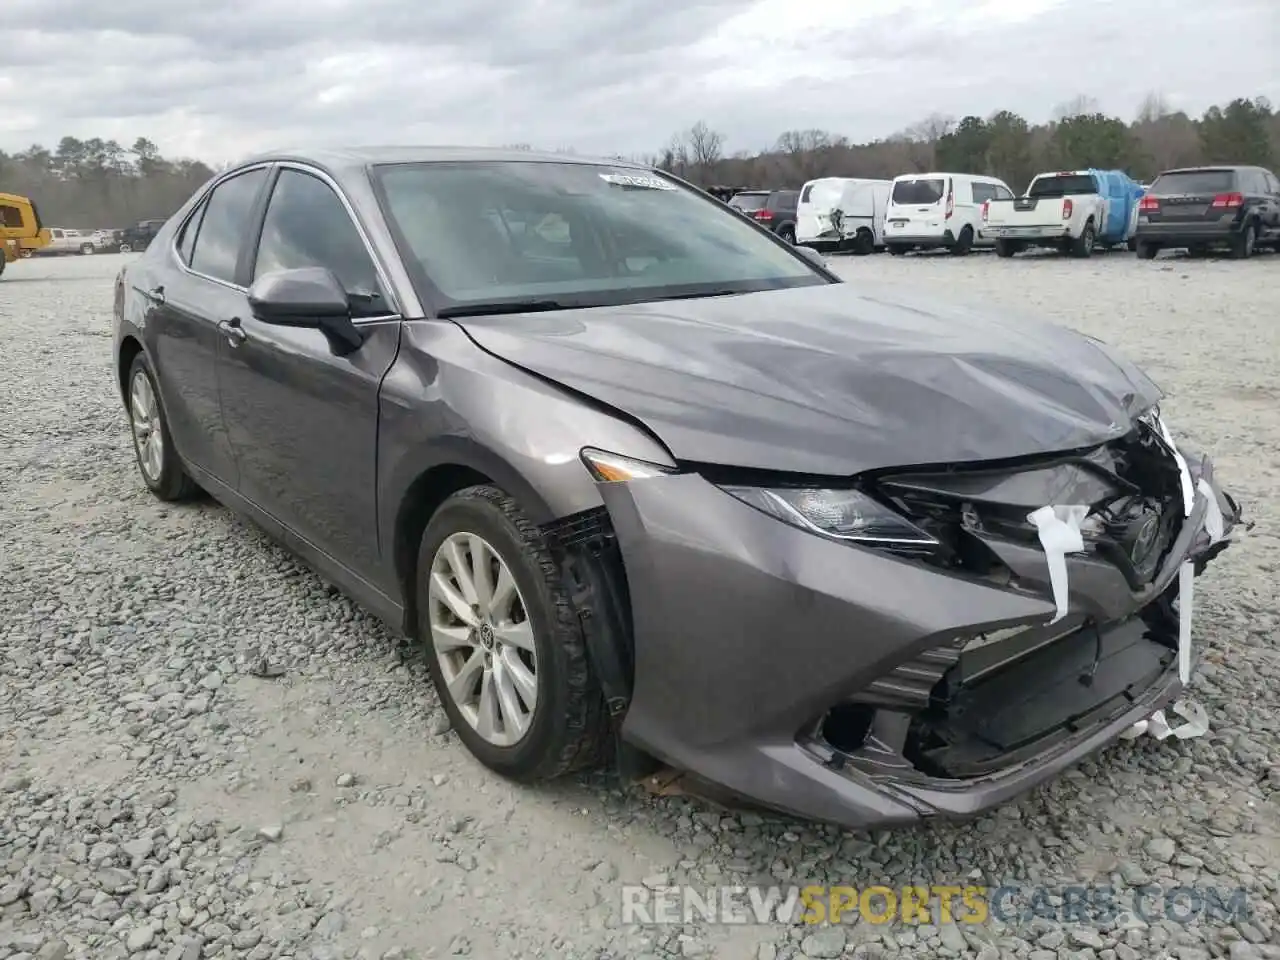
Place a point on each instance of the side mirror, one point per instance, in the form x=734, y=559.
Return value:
x=306, y=297
x=813, y=256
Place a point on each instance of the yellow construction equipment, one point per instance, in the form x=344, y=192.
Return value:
x=20, y=229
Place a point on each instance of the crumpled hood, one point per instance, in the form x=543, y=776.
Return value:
x=831, y=380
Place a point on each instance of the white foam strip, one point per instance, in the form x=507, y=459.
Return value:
x=1184, y=474
x=1186, y=587
x=1059, y=530
x=1213, y=513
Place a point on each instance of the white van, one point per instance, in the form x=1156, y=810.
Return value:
x=930, y=210
x=842, y=213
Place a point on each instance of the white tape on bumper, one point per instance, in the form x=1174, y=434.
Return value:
x=1059, y=529
x=1184, y=473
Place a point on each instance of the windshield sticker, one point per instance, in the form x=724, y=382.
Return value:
x=636, y=180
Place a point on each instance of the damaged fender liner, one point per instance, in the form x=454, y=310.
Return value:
x=591, y=564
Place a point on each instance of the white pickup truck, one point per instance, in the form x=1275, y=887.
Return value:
x=66, y=241
x=1073, y=211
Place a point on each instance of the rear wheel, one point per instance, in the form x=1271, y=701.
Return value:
x=897, y=249
x=507, y=654
x=1006, y=248
x=125, y=248
x=1242, y=246
x=1082, y=246
x=963, y=244
x=158, y=462
x=1146, y=251
x=788, y=234
x=86, y=249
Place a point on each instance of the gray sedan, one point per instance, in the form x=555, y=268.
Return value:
x=652, y=485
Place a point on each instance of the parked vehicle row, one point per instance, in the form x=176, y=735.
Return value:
x=134, y=239
x=1236, y=208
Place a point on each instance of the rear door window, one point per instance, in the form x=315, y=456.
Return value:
x=1193, y=182
x=919, y=192
x=225, y=225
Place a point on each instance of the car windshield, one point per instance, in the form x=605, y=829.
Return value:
x=1067, y=184
x=918, y=191
x=572, y=234
x=1192, y=182
x=749, y=201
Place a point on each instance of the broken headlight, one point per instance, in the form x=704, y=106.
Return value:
x=838, y=515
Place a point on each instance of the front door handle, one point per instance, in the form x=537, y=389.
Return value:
x=232, y=330
x=156, y=295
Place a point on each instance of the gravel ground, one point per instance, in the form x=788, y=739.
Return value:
x=161, y=799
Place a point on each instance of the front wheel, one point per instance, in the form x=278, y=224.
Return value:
x=508, y=657
x=126, y=248
x=864, y=243
x=158, y=462
x=86, y=249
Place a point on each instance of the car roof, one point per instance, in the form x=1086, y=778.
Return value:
x=348, y=160
x=1212, y=168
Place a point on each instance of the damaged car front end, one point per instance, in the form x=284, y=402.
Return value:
x=890, y=650
x=884, y=643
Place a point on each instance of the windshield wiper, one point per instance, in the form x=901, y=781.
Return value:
x=505, y=306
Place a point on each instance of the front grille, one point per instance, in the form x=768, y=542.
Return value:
x=910, y=684
x=1129, y=484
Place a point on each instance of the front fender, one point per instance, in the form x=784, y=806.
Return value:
x=447, y=402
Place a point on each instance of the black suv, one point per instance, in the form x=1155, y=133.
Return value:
x=139, y=236
x=1203, y=207
x=775, y=209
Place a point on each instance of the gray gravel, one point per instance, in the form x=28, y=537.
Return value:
x=161, y=798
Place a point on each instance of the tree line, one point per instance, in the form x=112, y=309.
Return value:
x=1004, y=144
x=99, y=183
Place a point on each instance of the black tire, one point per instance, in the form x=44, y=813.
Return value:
x=86, y=249
x=896, y=249
x=570, y=728
x=1146, y=251
x=1082, y=246
x=125, y=248
x=1006, y=248
x=963, y=244
x=864, y=243
x=1243, y=246
x=173, y=483
x=4, y=262
x=788, y=234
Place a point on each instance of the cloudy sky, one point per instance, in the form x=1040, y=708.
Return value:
x=216, y=80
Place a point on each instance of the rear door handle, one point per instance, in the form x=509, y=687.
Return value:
x=232, y=330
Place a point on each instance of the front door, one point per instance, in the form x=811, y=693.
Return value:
x=186, y=301
x=303, y=420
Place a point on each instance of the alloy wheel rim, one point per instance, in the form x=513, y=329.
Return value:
x=483, y=639
x=144, y=417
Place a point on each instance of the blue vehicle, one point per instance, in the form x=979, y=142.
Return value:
x=1074, y=211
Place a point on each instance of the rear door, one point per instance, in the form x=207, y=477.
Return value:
x=814, y=207
x=1192, y=196
x=190, y=293
x=918, y=206
x=1271, y=216
x=303, y=420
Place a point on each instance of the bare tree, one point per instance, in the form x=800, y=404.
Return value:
x=706, y=146
x=1154, y=107
x=1080, y=106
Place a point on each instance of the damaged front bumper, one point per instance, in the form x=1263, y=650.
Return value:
x=841, y=683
